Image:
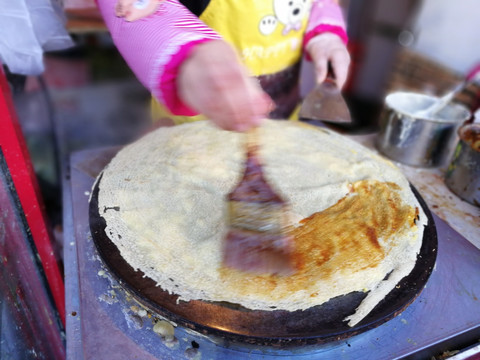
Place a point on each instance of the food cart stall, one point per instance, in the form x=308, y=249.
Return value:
x=107, y=317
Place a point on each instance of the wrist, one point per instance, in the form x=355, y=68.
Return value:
x=326, y=29
x=339, y=36
x=168, y=83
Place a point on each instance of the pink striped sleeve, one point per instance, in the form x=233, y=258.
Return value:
x=325, y=16
x=155, y=47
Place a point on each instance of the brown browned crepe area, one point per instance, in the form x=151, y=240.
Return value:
x=345, y=237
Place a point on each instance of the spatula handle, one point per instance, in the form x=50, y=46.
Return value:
x=330, y=78
x=252, y=140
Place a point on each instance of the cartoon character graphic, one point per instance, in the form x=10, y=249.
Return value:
x=290, y=13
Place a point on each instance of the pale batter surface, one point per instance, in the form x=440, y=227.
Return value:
x=354, y=217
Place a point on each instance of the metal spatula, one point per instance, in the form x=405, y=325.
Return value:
x=257, y=240
x=325, y=103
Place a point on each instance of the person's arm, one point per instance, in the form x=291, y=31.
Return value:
x=326, y=39
x=187, y=66
x=155, y=47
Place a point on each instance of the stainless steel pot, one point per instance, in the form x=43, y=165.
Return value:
x=463, y=174
x=424, y=142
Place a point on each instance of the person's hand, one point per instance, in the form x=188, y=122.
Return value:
x=329, y=48
x=132, y=10
x=213, y=82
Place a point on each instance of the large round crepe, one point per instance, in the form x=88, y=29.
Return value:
x=356, y=223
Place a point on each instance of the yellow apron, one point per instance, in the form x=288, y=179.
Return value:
x=268, y=36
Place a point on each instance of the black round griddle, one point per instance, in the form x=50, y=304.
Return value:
x=234, y=323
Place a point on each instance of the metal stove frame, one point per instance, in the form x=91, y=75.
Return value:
x=105, y=322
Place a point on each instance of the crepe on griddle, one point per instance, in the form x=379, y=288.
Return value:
x=354, y=218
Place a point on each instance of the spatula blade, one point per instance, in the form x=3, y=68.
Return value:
x=325, y=103
x=258, y=252
x=257, y=240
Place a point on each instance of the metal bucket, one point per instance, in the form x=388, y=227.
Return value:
x=424, y=142
x=463, y=174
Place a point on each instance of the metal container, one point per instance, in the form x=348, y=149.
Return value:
x=463, y=174
x=410, y=139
